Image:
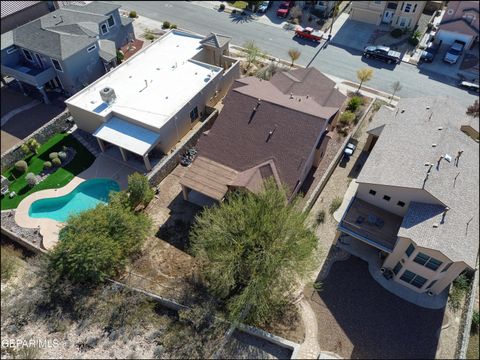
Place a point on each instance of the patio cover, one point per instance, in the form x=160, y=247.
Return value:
x=128, y=136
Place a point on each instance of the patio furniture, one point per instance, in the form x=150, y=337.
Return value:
x=4, y=184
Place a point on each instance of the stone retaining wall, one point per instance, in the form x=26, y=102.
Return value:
x=21, y=241
x=54, y=126
x=166, y=165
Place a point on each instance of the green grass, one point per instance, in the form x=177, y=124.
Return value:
x=240, y=4
x=82, y=160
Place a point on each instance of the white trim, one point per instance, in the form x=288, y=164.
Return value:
x=91, y=48
x=60, y=65
x=114, y=22
x=25, y=51
x=11, y=49
x=106, y=28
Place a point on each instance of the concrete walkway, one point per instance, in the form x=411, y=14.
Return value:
x=309, y=349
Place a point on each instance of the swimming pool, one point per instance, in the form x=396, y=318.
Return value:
x=85, y=196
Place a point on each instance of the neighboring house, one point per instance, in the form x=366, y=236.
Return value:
x=17, y=13
x=460, y=22
x=326, y=7
x=277, y=128
x=66, y=49
x=416, y=202
x=149, y=102
x=398, y=14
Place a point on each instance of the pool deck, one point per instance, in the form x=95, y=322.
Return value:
x=103, y=167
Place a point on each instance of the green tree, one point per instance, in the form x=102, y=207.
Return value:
x=139, y=190
x=363, y=75
x=252, y=250
x=96, y=243
x=252, y=52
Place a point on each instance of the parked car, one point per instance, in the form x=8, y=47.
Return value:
x=264, y=6
x=470, y=86
x=349, y=150
x=429, y=53
x=309, y=33
x=454, y=53
x=284, y=8
x=382, y=53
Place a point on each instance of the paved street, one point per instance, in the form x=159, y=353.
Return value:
x=333, y=60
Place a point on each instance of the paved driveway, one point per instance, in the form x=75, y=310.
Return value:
x=359, y=319
x=354, y=35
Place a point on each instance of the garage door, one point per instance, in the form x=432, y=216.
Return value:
x=365, y=16
x=449, y=37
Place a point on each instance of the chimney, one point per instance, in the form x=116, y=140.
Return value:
x=444, y=214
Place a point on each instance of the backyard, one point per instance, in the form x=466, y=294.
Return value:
x=58, y=178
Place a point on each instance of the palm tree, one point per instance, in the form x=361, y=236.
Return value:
x=364, y=74
x=294, y=55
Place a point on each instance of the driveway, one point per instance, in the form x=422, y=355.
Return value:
x=358, y=318
x=354, y=35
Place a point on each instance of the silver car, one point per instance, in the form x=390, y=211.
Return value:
x=453, y=54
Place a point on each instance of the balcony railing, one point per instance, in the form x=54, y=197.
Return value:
x=29, y=75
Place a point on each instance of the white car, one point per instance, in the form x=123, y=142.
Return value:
x=454, y=53
x=349, y=149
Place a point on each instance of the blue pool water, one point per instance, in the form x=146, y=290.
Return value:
x=85, y=196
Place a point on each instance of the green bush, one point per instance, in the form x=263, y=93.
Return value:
x=31, y=179
x=347, y=118
x=56, y=162
x=173, y=26
x=413, y=41
x=321, y=217
x=335, y=204
x=458, y=290
x=120, y=56
x=132, y=14
x=475, y=321
x=53, y=155
x=354, y=103
x=21, y=166
x=166, y=25
x=222, y=7
x=31, y=145
x=149, y=36
x=139, y=190
x=396, y=33
x=47, y=165
x=62, y=155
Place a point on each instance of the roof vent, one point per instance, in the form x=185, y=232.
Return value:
x=403, y=110
x=108, y=95
x=448, y=157
x=291, y=95
x=270, y=133
x=440, y=128
x=434, y=145
x=428, y=108
x=435, y=225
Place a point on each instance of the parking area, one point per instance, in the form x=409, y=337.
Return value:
x=358, y=318
x=354, y=35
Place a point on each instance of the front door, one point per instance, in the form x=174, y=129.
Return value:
x=388, y=16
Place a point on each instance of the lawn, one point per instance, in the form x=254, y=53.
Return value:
x=62, y=176
x=239, y=4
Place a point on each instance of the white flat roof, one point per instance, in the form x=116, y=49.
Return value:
x=128, y=136
x=154, y=84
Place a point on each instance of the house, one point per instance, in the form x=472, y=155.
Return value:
x=460, y=22
x=66, y=49
x=267, y=129
x=326, y=7
x=398, y=14
x=414, y=214
x=149, y=102
x=17, y=13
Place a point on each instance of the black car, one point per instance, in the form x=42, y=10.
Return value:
x=382, y=53
x=429, y=53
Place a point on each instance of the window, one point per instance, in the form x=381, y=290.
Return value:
x=104, y=29
x=402, y=22
x=413, y=279
x=397, y=268
x=427, y=261
x=410, y=250
x=408, y=7
x=431, y=284
x=111, y=21
x=11, y=50
x=414, y=7
x=401, y=203
x=28, y=55
x=56, y=65
x=194, y=114
x=447, y=267
x=386, y=197
x=372, y=192
x=91, y=48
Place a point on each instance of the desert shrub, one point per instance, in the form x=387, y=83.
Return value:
x=222, y=7
x=458, y=290
x=149, y=36
x=347, y=118
x=139, y=190
x=53, y=155
x=56, y=162
x=166, y=25
x=396, y=33
x=62, y=155
x=354, y=103
x=335, y=204
x=173, y=26
x=31, y=179
x=132, y=14
x=47, y=165
x=21, y=166
x=413, y=41
x=321, y=217
x=9, y=262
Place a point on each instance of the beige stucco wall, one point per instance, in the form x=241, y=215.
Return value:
x=443, y=278
x=397, y=194
x=410, y=17
x=320, y=153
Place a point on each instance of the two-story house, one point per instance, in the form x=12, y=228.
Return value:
x=66, y=49
x=414, y=206
x=398, y=14
x=460, y=22
x=17, y=13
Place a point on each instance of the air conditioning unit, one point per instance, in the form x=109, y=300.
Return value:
x=108, y=95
